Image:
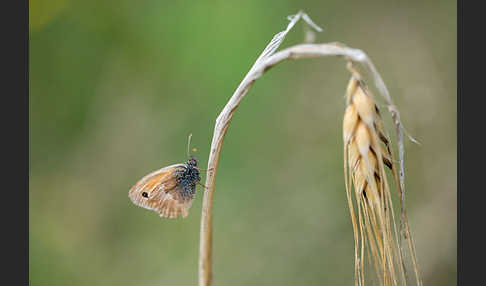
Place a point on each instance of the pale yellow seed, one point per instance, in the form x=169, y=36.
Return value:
x=364, y=106
x=349, y=123
x=363, y=140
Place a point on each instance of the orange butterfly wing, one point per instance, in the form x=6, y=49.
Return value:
x=159, y=191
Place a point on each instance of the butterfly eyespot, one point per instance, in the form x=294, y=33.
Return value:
x=145, y=195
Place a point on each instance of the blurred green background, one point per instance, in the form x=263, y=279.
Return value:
x=116, y=87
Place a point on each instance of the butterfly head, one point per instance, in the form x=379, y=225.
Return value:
x=192, y=162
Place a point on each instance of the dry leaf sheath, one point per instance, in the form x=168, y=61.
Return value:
x=269, y=58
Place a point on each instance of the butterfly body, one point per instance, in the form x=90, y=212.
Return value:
x=187, y=177
x=168, y=191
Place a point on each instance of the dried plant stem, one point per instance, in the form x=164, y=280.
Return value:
x=265, y=61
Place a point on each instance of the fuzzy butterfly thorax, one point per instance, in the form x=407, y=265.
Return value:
x=188, y=177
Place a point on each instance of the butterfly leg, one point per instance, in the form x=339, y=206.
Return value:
x=202, y=185
x=204, y=170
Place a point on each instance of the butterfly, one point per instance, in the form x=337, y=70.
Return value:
x=168, y=191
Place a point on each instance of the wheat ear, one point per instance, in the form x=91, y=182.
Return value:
x=367, y=154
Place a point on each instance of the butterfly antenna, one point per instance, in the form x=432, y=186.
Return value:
x=188, y=144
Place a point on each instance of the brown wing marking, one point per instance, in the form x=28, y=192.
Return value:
x=162, y=193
